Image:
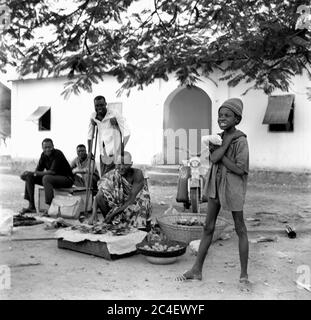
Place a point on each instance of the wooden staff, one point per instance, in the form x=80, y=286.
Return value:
x=91, y=165
x=122, y=143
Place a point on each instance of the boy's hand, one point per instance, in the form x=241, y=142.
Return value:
x=212, y=147
x=227, y=139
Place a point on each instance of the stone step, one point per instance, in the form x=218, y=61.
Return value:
x=161, y=178
x=162, y=175
x=164, y=169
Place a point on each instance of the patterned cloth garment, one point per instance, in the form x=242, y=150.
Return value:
x=116, y=190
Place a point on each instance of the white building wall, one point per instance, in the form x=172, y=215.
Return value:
x=284, y=151
x=143, y=110
x=5, y=147
x=69, y=118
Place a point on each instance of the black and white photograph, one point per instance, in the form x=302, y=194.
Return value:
x=155, y=150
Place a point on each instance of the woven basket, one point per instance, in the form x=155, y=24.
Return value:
x=185, y=233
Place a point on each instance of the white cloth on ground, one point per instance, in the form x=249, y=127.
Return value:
x=115, y=244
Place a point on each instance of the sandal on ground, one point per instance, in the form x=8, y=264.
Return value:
x=185, y=278
x=27, y=210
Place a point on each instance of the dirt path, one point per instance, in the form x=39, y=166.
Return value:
x=39, y=270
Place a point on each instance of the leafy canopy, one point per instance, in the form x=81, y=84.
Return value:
x=248, y=40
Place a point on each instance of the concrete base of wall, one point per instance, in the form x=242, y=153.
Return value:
x=280, y=177
x=168, y=175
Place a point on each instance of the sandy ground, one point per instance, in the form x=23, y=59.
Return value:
x=39, y=270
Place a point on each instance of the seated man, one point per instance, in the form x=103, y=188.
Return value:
x=53, y=171
x=123, y=195
x=79, y=168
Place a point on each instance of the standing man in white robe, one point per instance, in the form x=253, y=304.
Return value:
x=109, y=123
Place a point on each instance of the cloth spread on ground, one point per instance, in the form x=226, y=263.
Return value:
x=115, y=244
x=116, y=190
x=6, y=221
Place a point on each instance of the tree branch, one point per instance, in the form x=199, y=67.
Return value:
x=88, y=28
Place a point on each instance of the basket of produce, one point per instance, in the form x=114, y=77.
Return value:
x=186, y=227
x=159, y=250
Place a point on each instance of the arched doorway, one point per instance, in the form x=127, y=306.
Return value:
x=187, y=117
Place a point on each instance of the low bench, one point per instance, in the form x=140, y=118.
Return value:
x=75, y=191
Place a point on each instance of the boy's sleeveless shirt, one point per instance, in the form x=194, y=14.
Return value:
x=231, y=188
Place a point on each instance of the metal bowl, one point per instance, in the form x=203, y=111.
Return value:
x=159, y=260
x=162, y=254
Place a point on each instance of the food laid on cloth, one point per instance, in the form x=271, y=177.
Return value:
x=105, y=228
x=57, y=223
x=101, y=239
x=24, y=220
x=159, y=250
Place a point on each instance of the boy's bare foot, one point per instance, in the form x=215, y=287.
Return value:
x=244, y=284
x=244, y=280
x=189, y=276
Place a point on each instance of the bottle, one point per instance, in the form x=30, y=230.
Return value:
x=58, y=212
x=290, y=232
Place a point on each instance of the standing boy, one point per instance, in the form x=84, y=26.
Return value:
x=226, y=186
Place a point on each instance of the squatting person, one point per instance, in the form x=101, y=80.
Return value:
x=123, y=196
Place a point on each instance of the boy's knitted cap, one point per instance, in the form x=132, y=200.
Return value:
x=235, y=105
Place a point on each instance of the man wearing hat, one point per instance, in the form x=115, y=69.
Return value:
x=226, y=186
